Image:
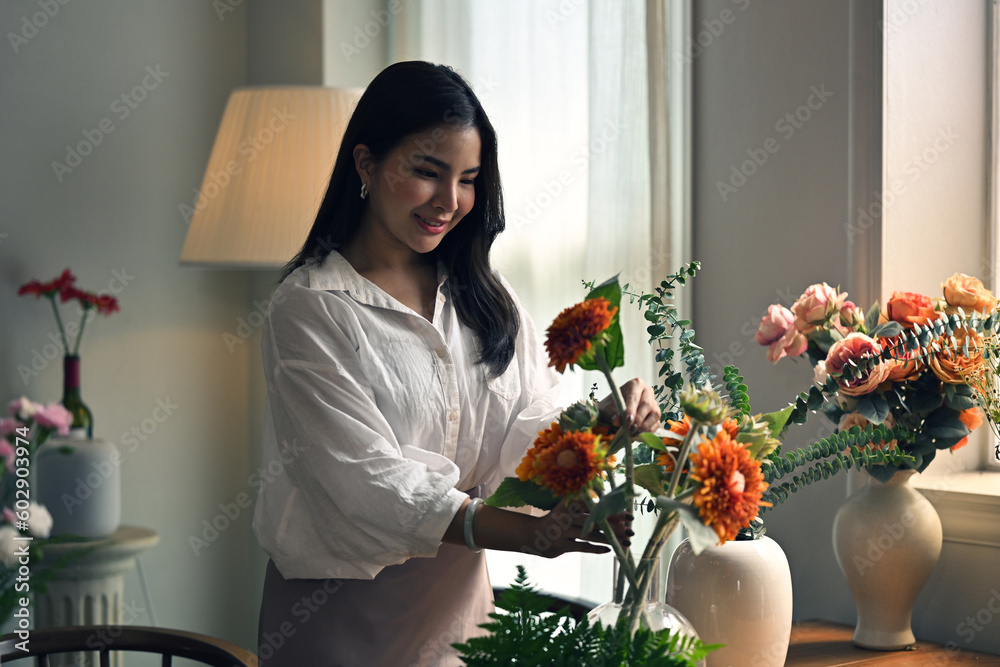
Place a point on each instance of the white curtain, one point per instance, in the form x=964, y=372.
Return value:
x=566, y=84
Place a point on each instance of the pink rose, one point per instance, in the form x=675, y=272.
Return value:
x=855, y=348
x=8, y=426
x=54, y=416
x=816, y=306
x=778, y=332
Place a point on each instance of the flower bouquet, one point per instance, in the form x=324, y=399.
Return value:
x=918, y=364
x=708, y=472
x=22, y=520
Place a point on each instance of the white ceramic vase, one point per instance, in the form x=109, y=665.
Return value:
x=887, y=538
x=79, y=483
x=738, y=594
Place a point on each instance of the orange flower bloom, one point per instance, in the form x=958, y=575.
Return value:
x=571, y=463
x=906, y=365
x=950, y=365
x=909, y=308
x=527, y=470
x=731, y=485
x=973, y=419
x=681, y=428
x=571, y=334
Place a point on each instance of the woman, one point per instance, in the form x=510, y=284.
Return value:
x=403, y=380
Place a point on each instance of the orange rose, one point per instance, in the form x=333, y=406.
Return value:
x=950, y=365
x=973, y=419
x=968, y=293
x=851, y=351
x=909, y=308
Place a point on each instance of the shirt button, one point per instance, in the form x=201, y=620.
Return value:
x=452, y=416
x=440, y=353
x=441, y=298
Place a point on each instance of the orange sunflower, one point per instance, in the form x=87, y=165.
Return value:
x=682, y=428
x=572, y=332
x=731, y=485
x=527, y=469
x=571, y=463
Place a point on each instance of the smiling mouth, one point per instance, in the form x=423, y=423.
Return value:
x=434, y=224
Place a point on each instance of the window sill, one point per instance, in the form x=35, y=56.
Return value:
x=968, y=504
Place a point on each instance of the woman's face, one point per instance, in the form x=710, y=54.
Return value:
x=422, y=189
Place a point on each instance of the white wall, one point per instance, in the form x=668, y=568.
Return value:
x=784, y=229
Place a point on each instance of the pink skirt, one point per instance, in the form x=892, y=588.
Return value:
x=407, y=616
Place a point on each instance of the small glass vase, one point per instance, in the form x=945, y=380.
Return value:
x=660, y=615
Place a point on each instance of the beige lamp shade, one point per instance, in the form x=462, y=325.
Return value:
x=267, y=175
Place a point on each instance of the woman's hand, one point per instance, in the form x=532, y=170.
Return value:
x=641, y=409
x=558, y=532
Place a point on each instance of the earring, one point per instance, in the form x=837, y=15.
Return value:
x=364, y=191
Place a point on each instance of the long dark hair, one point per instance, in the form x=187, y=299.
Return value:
x=405, y=99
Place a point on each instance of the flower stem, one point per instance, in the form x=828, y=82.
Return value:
x=620, y=405
x=79, y=336
x=624, y=557
x=681, y=458
x=62, y=330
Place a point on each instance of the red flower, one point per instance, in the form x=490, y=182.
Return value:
x=39, y=289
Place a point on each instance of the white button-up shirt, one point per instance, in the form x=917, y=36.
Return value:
x=377, y=419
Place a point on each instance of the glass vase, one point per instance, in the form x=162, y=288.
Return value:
x=658, y=616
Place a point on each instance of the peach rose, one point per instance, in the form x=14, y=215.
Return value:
x=909, y=308
x=973, y=419
x=849, y=419
x=778, y=332
x=816, y=306
x=968, y=293
x=905, y=366
x=950, y=365
x=856, y=347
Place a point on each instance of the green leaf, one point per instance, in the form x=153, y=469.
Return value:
x=886, y=330
x=871, y=318
x=776, y=421
x=701, y=536
x=513, y=492
x=653, y=441
x=612, y=503
x=650, y=477
x=614, y=348
x=873, y=407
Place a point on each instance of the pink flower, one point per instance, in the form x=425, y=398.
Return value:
x=54, y=416
x=22, y=408
x=850, y=351
x=8, y=426
x=9, y=516
x=778, y=332
x=7, y=454
x=816, y=306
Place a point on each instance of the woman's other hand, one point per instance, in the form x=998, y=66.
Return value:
x=641, y=409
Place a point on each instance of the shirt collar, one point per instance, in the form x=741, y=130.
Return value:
x=337, y=274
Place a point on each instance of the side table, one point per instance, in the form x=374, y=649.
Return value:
x=823, y=644
x=90, y=589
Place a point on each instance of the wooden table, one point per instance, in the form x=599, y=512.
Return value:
x=822, y=644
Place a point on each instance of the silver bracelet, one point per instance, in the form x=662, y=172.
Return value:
x=470, y=514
